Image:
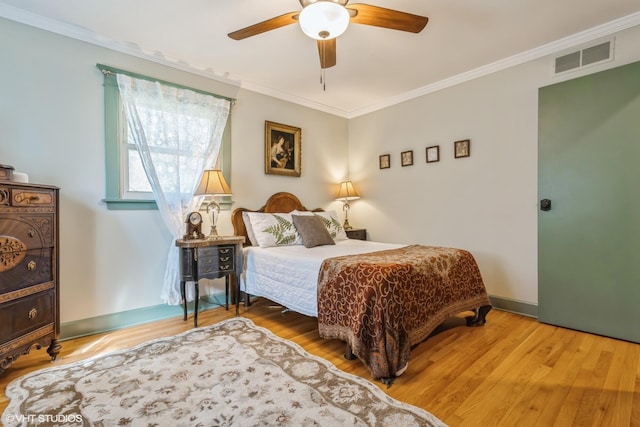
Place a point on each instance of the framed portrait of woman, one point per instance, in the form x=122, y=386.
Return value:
x=282, y=146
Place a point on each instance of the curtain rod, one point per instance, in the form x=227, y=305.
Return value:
x=107, y=71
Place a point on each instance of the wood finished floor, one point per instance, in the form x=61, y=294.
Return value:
x=514, y=371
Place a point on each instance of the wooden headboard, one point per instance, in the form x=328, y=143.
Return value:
x=278, y=203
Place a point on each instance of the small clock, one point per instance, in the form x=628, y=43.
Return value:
x=194, y=227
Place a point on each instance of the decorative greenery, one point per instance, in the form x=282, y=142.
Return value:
x=283, y=232
x=332, y=225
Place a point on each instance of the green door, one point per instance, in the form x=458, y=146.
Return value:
x=589, y=188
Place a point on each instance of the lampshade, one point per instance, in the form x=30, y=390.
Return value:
x=324, y=20
x=212, y=183
x=347, y=191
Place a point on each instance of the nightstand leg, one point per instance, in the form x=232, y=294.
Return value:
x=184, y=298
x=236, y=290
x=197, y=298
x=226, y=293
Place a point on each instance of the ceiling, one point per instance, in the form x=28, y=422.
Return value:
x=376, y=67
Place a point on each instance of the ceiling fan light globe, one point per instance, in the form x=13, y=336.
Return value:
x=324, y=20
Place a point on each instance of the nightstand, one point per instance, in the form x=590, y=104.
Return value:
x=357, y=233
x=209, y=259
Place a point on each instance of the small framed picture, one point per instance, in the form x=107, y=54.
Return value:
x=385, y=161
x=406, y=158
x=462, y=148
x=433, y=154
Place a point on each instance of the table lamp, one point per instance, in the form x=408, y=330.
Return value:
x=346, y=193
x=213, y=184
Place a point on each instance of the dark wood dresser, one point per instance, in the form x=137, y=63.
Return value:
x=29, y=276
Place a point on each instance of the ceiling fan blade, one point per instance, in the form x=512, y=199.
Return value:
x=327, y=52
x=387, y=18
x=264, y=26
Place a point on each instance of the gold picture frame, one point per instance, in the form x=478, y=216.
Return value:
x=282, y=149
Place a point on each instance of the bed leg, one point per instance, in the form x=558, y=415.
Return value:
x=348, y=353
x=480, y=316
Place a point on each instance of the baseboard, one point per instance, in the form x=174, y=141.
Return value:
x=514, y=306
x=139, y=316
x=124, y=319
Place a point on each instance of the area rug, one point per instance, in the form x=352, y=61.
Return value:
x=233, y=373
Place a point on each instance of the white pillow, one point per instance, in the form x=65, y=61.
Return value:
x=249, y=227
x=331, y=222
x=273, y=229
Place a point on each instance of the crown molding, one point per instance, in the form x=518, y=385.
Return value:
x=572, y=41
x=81, y=34
x=78, y=33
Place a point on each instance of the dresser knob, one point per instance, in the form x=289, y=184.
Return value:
x=31, y=266
x=32, y=232
x=33, y=313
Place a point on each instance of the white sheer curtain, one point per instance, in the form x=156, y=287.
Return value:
x=178, y=133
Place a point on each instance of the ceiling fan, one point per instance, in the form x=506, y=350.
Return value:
x=324, y=20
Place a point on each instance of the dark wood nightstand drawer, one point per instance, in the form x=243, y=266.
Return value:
x=216, y=251
x=214, y=262
x=23, y=315
x=357, y=233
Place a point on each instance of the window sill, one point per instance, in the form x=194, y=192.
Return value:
x=151, y=205
x=130, y=204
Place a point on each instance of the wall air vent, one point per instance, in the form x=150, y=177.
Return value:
x=567, y=62
x=581, y=58
x=594, y=54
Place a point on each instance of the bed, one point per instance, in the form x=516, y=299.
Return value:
x=380, y=298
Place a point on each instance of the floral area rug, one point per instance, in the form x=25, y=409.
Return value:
x=233, y=373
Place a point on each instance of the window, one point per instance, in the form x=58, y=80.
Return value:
x=134, y=184
x=127, y=186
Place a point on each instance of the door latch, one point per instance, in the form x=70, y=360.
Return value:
x=545, y=205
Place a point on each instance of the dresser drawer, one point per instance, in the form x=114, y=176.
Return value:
x=25, y=268
x=26, y=232
x=32, y=197
x=21, y=316
x=216, y=261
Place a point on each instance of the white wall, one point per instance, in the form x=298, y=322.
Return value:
x=486, y=203
x=52, y=127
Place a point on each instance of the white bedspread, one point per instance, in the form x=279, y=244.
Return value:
x=288, y=275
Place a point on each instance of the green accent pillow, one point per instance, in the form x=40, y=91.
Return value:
x=273, y=229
